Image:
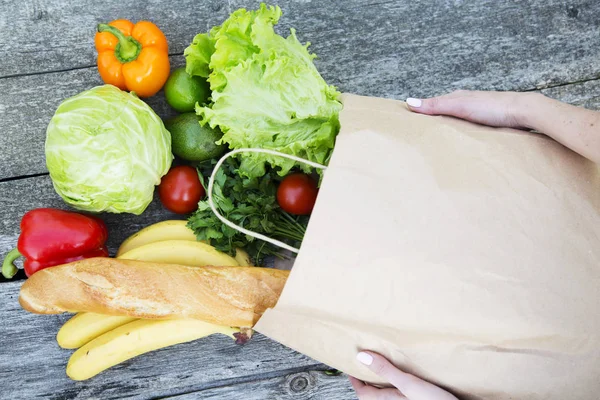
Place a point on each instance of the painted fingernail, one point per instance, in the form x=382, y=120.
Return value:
x=365, y=358
x=416, y=103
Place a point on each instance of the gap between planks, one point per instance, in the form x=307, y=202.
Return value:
x=533, y=89
x=57, y=71
x=15, y=178
x=563, y=84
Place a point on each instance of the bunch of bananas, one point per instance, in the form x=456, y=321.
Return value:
x=103, y=341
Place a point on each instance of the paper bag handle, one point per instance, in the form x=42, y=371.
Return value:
x=238, y=228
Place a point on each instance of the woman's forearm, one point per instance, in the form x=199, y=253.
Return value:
x=576, y=128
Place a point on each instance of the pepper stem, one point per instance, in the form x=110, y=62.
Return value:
x=128, y=49
x=9, y=269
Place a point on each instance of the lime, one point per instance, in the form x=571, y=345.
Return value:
x=191, y=141
x=183, y=91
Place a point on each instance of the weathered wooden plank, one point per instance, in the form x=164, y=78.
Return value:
x=387, y=49
x=415, y=38
x=314, y=385
x=32, y=366
x=423, y=48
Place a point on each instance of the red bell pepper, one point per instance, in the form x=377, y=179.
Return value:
x=52, y=237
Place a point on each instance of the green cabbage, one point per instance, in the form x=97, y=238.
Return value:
x=105, y=150
x=266, y=91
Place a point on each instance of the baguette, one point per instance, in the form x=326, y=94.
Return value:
x=230, y=296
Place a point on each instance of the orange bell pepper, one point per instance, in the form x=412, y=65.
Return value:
x=133, y=57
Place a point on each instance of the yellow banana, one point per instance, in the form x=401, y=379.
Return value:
x=85, y=327
x=183, y=252
x=135, y=338
x=165, y=230
x=242, y=258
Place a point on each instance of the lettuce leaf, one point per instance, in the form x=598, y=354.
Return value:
x=266, y=91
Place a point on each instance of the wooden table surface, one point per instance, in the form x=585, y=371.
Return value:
x=380, y=48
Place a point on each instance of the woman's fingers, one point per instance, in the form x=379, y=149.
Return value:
x=487, y=108
x=409, y=385
x=366, y=392
x=384, y=369
x=441, y=105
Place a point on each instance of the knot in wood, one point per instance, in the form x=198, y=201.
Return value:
x=299, y=384
x=40, y=15
x=572, y=12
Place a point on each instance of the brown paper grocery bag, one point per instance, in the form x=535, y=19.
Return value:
x=469, y=256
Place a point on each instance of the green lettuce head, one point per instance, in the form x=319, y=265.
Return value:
x=266, y=91
x=106, y=150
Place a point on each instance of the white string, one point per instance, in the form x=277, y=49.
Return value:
x=238, y=228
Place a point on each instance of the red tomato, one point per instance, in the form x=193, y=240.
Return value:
x=180, y=190
x=297, y=194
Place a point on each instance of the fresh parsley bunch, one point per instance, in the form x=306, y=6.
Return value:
x=250, y=203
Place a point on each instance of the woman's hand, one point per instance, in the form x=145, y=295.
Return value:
x=502, y=109
x=574, y=127
x=406, y=386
